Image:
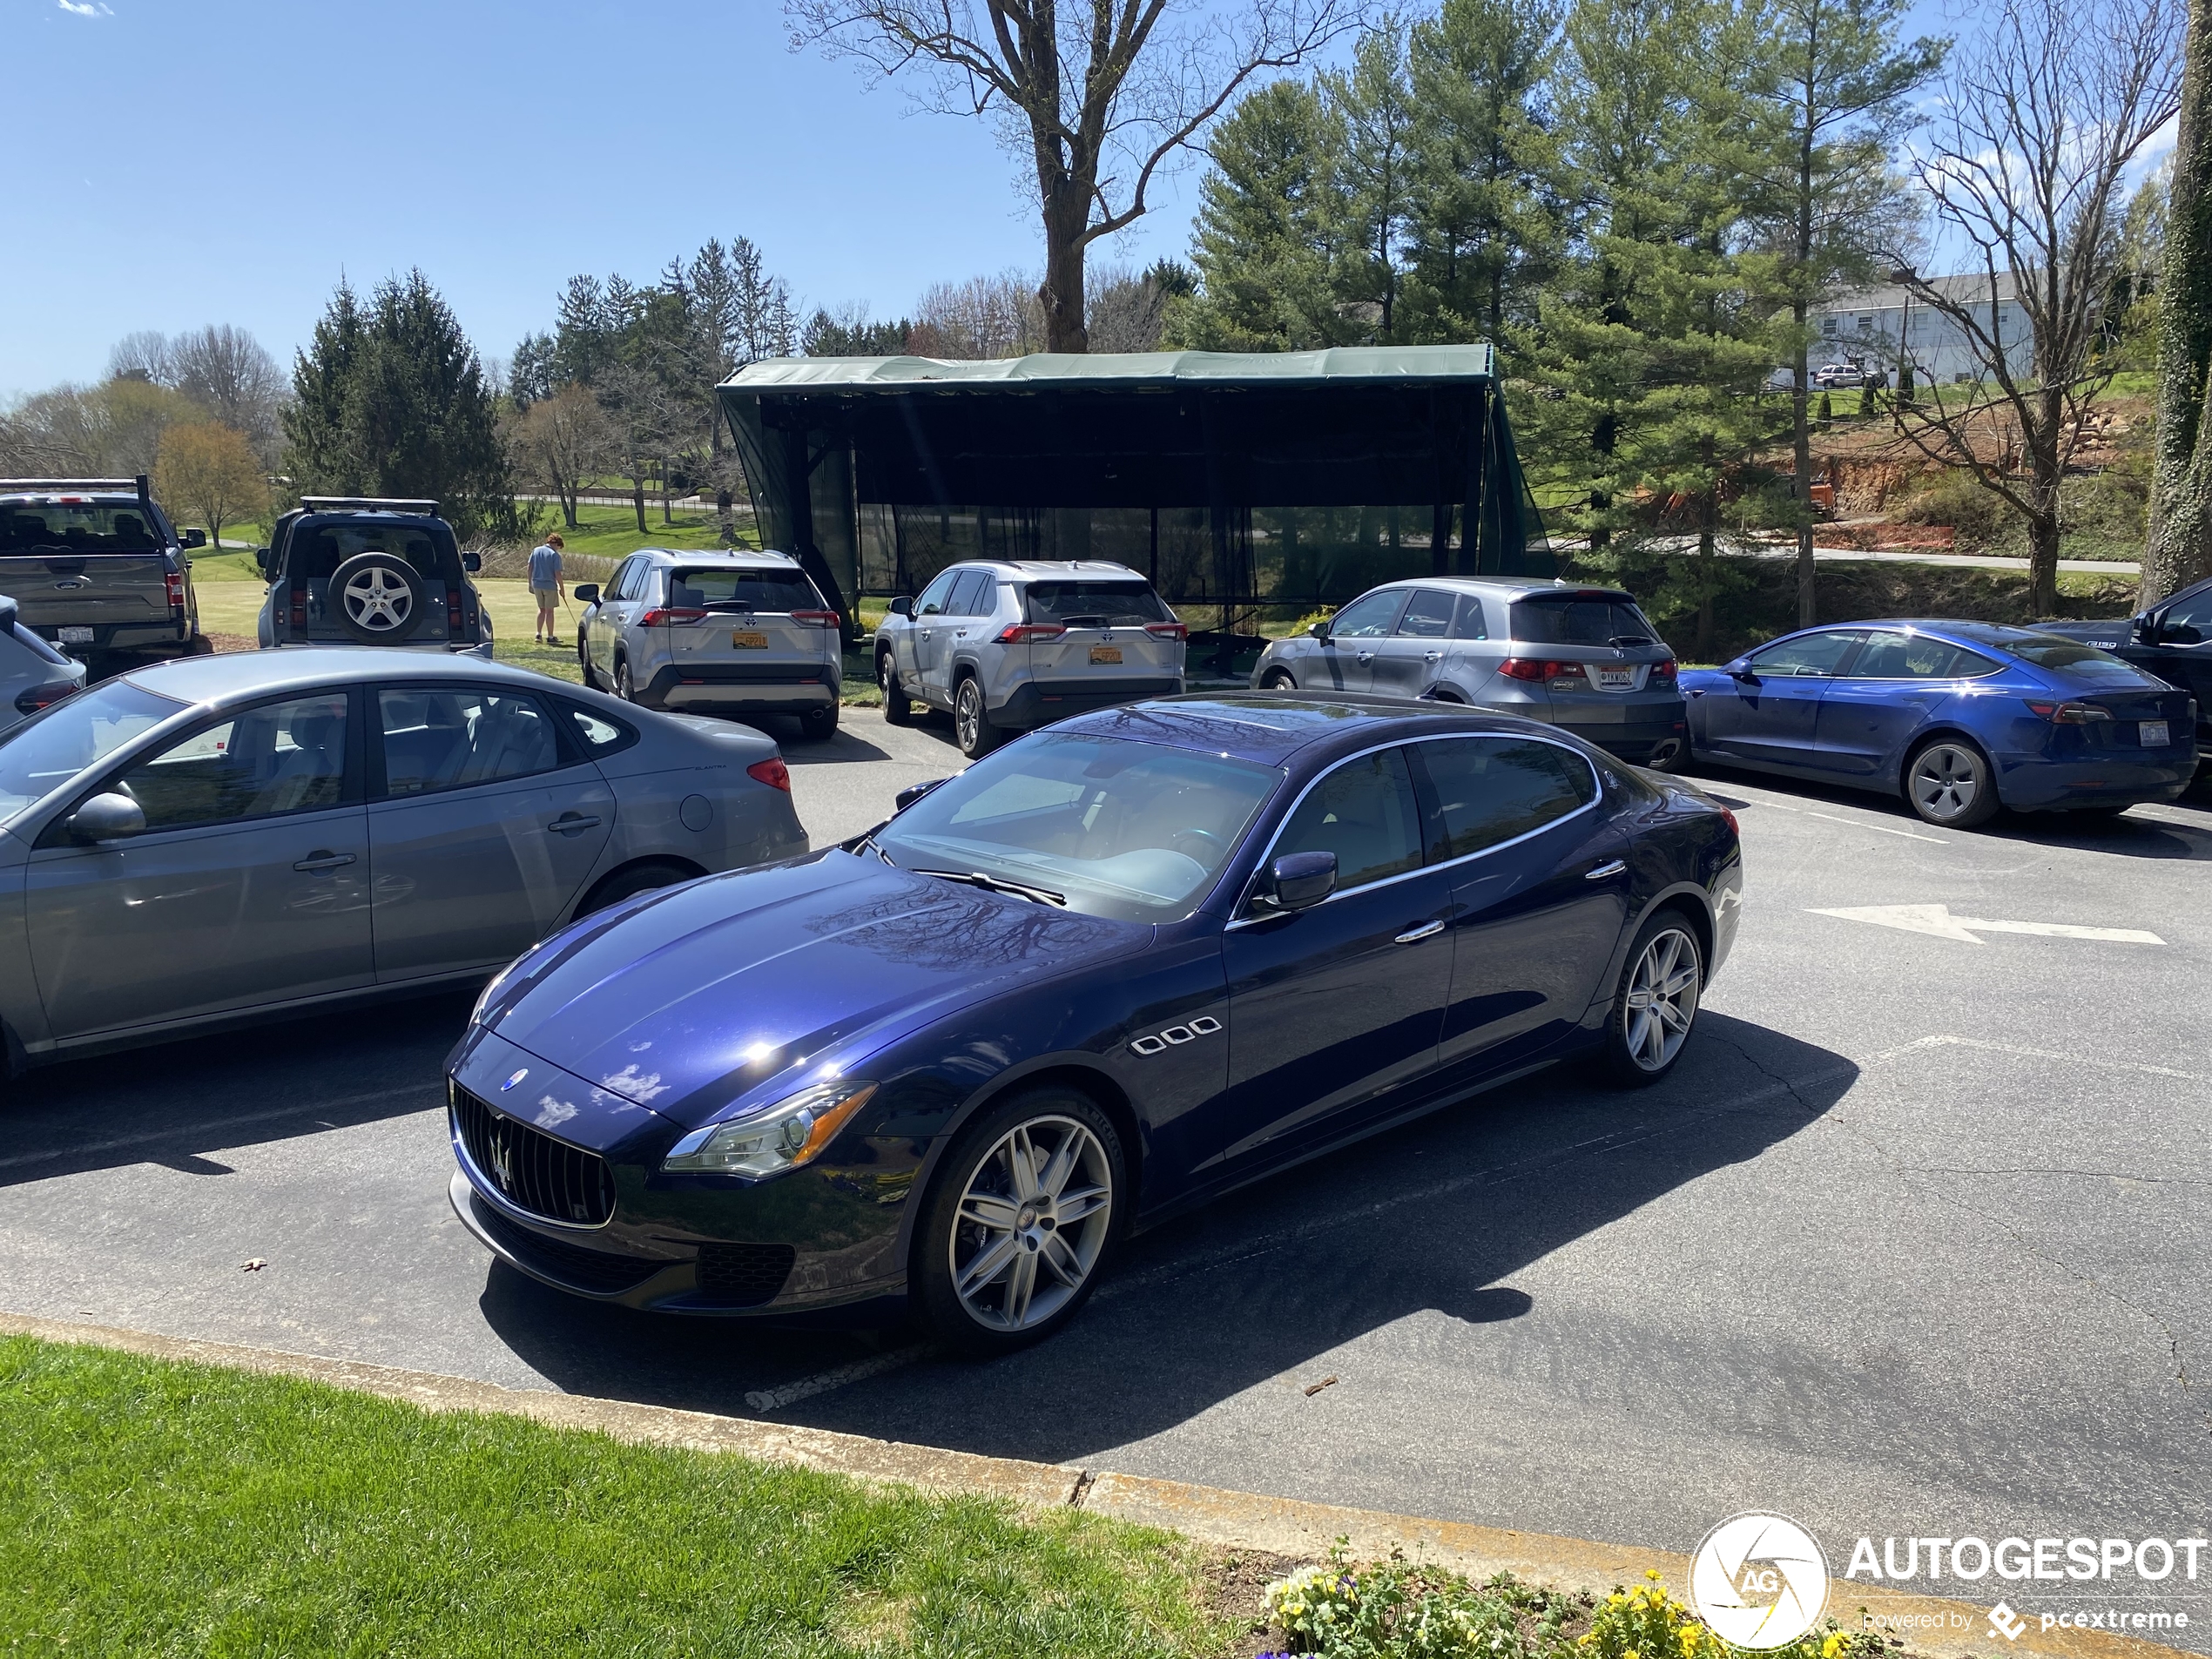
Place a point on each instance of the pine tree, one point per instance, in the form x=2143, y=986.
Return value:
x=1374, y=199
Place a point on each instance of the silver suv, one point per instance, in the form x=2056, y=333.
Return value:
x=1009, y=644
x=1583, y=658
x=714, y=633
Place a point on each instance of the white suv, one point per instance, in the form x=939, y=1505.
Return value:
x=714, y=633
x=1009, y=644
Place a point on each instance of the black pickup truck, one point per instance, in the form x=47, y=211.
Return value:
x=95, y=566
x=2172, y=639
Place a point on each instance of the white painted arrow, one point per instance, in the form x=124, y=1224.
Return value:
x=1937, y=919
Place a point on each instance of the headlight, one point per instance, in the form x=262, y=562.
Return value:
x=792, y=1132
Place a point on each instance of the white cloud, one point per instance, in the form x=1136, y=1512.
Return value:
x=85, y=7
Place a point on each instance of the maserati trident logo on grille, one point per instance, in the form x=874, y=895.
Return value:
x=512, y=1081
x=503, y=1162
x=1204, y=1025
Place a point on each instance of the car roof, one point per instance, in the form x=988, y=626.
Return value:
x=1513, y=587
x=1273, y=728
x=231, y=675
x=714, y=558
x=1034, y=569
x=1960, y=629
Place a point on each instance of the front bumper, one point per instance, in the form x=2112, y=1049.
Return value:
x=1037, y=703
x=740, y=688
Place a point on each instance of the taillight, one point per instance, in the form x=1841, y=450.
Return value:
x=2068, y=714
x=771, y=772
x=453, y=612
x=1168, y=630
x=665, y=615
x=1661, y=674
x=1734, y=828
x=44, y=697
x=816, y=618
x=1020, y=633
x=300, y=605
x=174, y=581
x=1569, y=675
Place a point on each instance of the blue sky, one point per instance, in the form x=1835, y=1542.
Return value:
x=182, y=162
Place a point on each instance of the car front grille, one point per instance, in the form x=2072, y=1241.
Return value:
x=590, y=1270
x=743, y=1276
x=532, y=1171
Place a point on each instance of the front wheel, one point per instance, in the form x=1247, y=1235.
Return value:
x=898, y=708
x=1949, y=783
x=583, y=661
x=972, y=727
x=1019, y=1221
x=1656, y=1003
x=1278, y=679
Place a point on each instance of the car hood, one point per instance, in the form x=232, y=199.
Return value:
x=692, y=999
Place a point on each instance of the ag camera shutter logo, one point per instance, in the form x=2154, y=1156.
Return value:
x=1759, y=1581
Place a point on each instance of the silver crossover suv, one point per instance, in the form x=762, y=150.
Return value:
x=223, y=840
x=714, y=633
x=1581, y=657
x=1007, y=645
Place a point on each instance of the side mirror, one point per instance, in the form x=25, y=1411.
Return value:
x=902, y=606
x=587, y=593
x=1741, y=670
x=472, y=563
x=194, y=538
x=106, y=818
x=1320, y=631
x=914, y=793
x=261, y=558
x=1303, y=880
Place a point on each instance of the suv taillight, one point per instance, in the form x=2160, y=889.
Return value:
x=816, y=618
x=300, y=605
x=1168, y=630
x=1020, y=633
x=174, y=581
x=45, y=697
x=665, y=615
x=1549, y=672
x=1661, y=674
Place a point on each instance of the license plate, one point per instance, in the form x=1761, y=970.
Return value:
x=1615, y=679
x=2153, y=735
x=76, y=636
x=750, y=642
x=1105, y=653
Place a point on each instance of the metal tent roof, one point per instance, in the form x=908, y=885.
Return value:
x=1343, y=364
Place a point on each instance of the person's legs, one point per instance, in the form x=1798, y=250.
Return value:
x=545, y=616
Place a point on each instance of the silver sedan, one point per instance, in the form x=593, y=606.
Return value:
x=223, y=839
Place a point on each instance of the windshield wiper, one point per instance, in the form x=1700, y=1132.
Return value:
x=1000, y=884
x=867, y=838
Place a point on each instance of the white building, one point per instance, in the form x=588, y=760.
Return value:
x=1874, y=326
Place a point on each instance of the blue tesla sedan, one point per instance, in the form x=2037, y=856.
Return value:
x=1110, y=972
x=1960, y=718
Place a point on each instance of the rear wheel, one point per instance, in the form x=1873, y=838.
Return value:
x=819, y=725
x=625, y=884
x=1278, y=679
x=972, y=727
x=1656, y=1003
x=1949, y=783
x=623, y=689
x=898, y=708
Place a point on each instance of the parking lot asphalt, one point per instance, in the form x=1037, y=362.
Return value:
x=1912, y=1241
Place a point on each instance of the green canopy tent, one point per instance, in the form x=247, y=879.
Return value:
x=1285, y=480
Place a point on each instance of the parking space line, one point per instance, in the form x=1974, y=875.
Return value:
x=154, y=1137
x=1884, y=829
x=767, y=1400
x=1984, y=1043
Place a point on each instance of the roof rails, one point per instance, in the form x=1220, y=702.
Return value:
x=76, y=487
x=366, y=505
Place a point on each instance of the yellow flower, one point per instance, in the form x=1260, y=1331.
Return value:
x=1651, y=1571
x=1833, y=1646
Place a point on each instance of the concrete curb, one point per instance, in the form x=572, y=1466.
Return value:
x=1208, y=1514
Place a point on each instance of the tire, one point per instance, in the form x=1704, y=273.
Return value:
x=1640, y=1045
x=819, y=725
x=898, y=707
x=583, y=660
x=626, y=884
x=1671, y=756
x=1278, y=679
x=200, y=646
x=378, y=599
x=623, y=689
x=1949, y=783
x=1050, y=1277
x=972, y=728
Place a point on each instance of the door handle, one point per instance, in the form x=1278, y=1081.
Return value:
x=320, y=859
x=1604, y=870
x=925, y=633
x=1432, y=656
x=1365, y=658
x=569, y=823
x=1424, y=931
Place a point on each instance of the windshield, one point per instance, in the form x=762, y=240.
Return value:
x=1098, y=604
x=771, y=590
x=1133, y=831
x=1581, y=619
x=2050, y=651
x=52, y=746
x=47, y=527
x=318, y=551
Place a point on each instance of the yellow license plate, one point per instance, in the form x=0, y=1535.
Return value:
x=750, y=642
x=1105, y=653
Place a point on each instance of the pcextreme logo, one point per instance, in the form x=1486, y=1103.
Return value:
x=1759, y=1581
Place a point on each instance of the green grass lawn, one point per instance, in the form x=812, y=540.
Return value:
x=151, y=1509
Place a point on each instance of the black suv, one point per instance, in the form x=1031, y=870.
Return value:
x=358, y=570
x=2173, y=639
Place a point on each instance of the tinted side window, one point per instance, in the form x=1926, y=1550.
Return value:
x=618, y=586
x=1489, y=790
x=1365, y=812
x=2194, y=611
x=1810, y=654
x=932, y=603
x=437, y=740
x=977, y=595
x=1369, y=616
x=1429, y=615
x=280, y=758
x=1915, y=656
x=598, y=734
x=1471, y=622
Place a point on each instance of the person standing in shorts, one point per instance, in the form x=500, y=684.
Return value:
x=546, y=586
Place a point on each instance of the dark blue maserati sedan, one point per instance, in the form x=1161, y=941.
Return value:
x=1122, y=965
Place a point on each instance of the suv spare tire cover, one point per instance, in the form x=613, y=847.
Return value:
x=378, y=597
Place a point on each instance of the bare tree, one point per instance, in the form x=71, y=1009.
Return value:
x=230, y=375
x=2041, y=122
x=1098, y=100
x=564, y=440
x=995, y=316
x=141, y=356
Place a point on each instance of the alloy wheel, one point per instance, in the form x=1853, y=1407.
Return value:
x=1946, y=782
x=1031, y=1223
x=1662, y=998
x=377, y=602
x=967, y=716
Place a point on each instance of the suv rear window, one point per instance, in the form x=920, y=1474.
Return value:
x=316, y=551
x=770, y=590
x=48, y=527
x=1102, y=604
x=1581, y=619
